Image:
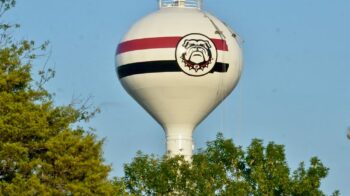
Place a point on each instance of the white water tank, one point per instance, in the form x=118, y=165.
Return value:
x=179, y=63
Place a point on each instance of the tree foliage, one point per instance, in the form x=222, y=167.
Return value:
x=223, y=168
x=41, y=152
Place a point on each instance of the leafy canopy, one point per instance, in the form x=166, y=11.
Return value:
x=223, y=168
x=41, y=153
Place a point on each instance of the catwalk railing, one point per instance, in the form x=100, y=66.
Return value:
x=180, y=3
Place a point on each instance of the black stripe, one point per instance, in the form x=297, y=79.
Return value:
x=160, y=66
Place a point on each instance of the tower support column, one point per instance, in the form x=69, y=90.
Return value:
x=179, y=142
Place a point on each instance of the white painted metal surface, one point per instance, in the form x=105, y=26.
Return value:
x=179, y=64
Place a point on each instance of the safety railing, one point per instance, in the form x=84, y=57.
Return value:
x=181, y=3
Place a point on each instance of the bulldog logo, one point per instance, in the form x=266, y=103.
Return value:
x=196, y=54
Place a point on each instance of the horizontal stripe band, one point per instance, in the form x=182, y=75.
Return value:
x=163, y=54
x=160, y=42
x=160, y=66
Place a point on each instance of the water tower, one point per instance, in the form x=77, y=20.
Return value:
x=179, y=63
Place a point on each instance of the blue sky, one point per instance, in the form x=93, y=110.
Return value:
x=294, y=90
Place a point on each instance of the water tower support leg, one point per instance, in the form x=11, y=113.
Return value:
x=179, y=142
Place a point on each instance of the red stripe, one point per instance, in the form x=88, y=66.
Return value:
x=160, y=42
x=220, y=44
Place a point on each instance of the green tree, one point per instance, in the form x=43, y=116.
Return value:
x=224, y=169
x=42, y=150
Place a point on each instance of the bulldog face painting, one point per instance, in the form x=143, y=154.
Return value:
x=196, y=54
